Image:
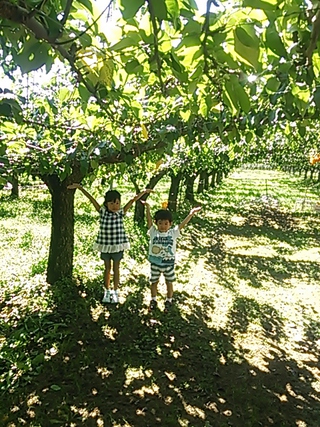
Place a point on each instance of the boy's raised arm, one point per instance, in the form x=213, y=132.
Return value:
x=187, y=219
x=135, y=199
x=88, y=195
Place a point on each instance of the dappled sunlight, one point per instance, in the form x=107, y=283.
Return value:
x=240, y=346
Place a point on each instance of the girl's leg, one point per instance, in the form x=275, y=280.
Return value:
x=116, y=274
x=107, y=272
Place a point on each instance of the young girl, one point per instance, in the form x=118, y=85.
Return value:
x=112, y=239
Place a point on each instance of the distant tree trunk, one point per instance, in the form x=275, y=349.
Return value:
x=206, y=180
x=60, y=261
x=219, y=177
x=15, y=186
x=203, y=182
x=174, y=191
x=305, y=173
x=311, y=174
x=139, y=207
x=189, y=187
x=213, y=179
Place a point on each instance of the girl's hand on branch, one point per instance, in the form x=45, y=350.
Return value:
x=74, y=186
x=146, y=191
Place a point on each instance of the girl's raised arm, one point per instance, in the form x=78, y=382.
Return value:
x=149, y=217
x=135, y=199
x=88, y=195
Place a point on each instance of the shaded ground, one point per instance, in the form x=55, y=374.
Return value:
x=241, y=347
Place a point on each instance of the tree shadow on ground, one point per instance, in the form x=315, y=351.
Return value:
x=122, y=366
x=208, y=241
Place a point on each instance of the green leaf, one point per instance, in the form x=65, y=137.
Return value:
x=33, y=56
x=55, y=387
x=259, y=4
x=273, y=84
x=245, y=38
x=117, y=144
x=250, y=54
x=237, y=94
x=123, y=44
x=84, y=93
x=86, y=3
x=131, y=66
x=159, y=8
x=189, y=41
x=173, y=8
x=274, y=42
x=129, y=8
x=5, y=110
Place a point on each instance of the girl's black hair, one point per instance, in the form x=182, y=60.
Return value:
x=111, y=196
x=163, y=214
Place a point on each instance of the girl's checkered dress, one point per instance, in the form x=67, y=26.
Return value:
x=112, y=236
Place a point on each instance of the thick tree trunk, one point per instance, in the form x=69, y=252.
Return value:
x=174, y=191
x=60, y=261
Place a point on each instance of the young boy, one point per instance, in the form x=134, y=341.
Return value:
x=162, y=249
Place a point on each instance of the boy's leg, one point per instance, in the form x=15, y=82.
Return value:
x=169, y=290
x=154, y=279
x=169, y=275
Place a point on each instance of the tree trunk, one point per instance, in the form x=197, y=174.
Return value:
x=15, y=186
x=206, y=180
x=189, y=188
x=213, y=179
x=201, y=182
x=60, y=261
x=174, y=191
x=311, y=174
x=219, y=177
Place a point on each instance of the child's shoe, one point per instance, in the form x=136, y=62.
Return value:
x=167, y=306
x=107, y=297
x=153, y=305
x=115, y=297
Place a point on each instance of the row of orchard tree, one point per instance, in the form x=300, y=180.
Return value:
x=157, y=89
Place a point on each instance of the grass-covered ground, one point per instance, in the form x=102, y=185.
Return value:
x=241, y=348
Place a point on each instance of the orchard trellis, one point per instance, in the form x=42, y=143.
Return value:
x=238, y=76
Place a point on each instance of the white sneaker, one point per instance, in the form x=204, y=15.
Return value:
x=107, y=297
x=115, y=297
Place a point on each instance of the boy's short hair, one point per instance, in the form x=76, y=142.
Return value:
x=162, y=214
x=112, y=196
